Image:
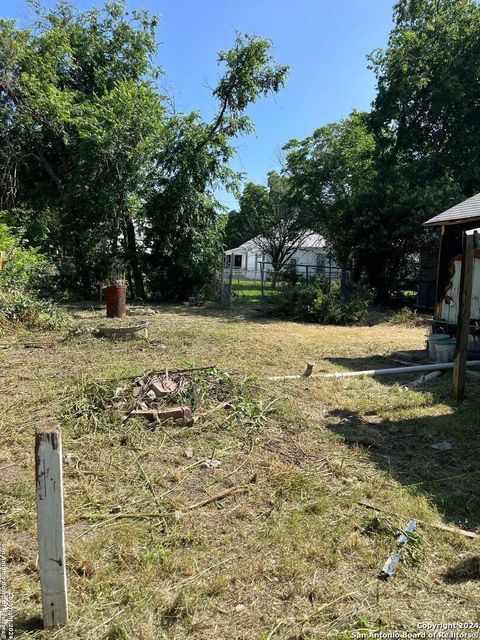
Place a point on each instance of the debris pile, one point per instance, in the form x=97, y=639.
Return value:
x=179, y=397
x=152, y=394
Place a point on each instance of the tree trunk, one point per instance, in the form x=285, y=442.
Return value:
x=132, y=257
x=275, y=275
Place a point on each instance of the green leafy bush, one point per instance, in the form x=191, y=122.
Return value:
x=26, y=274
x=316, y=302
x=407, y=316
x=25, y=268
x=19, y=308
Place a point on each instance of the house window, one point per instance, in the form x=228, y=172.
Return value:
x=238, y=262
x=228, y=260
x=293, y=263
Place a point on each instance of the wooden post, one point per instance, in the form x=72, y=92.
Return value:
x=463, y=320
x=230, y=282
x=51, y=538
x=222, y=278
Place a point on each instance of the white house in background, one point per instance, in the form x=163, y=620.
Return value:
x=310, y=258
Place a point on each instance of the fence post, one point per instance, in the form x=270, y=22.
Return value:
x=230, y=283
x=50, y=526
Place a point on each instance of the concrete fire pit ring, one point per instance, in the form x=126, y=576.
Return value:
x=123, y=333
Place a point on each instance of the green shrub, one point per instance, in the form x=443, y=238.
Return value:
x=19, y=308
x=315, y=302
x=407, y=316
x=25, y=268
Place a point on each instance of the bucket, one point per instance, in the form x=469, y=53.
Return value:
x=116, y=301
x=445, y=350
x=433, y=338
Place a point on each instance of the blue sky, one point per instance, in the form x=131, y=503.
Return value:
x=325, y=42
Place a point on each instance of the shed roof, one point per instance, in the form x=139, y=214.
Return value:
x=466, y=211
x=311, y=241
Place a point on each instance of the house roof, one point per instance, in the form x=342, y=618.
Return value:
x=312, y=241
x=466, y=211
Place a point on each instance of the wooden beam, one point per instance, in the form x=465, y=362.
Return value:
x=470, y=242
x=50, y=525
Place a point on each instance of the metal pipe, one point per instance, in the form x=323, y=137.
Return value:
x=440, y=366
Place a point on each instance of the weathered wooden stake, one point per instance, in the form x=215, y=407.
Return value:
x=463, y=320
x=51, y=537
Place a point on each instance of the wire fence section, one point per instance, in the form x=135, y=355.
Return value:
x=264, y=273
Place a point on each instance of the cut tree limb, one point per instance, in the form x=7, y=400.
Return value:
x=218, y=496
x=436, y=525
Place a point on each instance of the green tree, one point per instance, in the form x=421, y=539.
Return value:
x=92, y=164
x=426, y=109
x=24, y=269
x=371, y=181
x=236, y=230
x=182, y=231
x=77, y=119
x=369, y=212
x=274, y=219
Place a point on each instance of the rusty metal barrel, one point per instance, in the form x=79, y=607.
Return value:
x=116, y=301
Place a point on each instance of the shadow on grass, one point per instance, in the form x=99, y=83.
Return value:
x=251, y=311
x=387, y=361
x=28, y=624
x=467, y=569
x=403, y=447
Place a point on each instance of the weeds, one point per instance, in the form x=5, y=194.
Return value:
x=321, y=302
x=407, y=316
x=22, y=309
x=99, y=404
x=292, y=555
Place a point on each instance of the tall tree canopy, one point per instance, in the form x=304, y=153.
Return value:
x=372, y=179
x=426, y=108
x=370, y=212
x=94, y=167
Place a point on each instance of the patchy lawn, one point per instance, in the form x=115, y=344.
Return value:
x=249, y=291
x=293, y=554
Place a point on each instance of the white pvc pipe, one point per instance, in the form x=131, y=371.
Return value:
x=440, y=366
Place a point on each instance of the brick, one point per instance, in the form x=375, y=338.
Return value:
x=163, y=387
x=176, y=413
x=149, y=414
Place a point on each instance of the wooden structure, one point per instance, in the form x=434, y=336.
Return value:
x=457, y=297
x=453, y=223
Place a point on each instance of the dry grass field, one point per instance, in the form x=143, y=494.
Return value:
x=293, y=554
